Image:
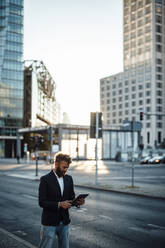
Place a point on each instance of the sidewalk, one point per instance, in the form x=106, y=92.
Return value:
x=83, y=173
x=9, y=240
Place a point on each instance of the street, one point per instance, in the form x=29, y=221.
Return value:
x=106, y=220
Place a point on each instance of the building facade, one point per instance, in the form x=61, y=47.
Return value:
x=11, y=74
x=40, y=106
x=141, y=87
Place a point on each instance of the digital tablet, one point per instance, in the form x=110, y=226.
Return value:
x=74, y=203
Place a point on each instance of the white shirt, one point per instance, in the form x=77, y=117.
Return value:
x=61, y=183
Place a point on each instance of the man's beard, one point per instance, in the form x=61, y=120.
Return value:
x=59, y=172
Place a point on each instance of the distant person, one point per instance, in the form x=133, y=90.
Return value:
x=56, y=192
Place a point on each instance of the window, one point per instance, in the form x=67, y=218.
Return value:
x=140, y=23
x=126, y=112
x=120, y=92
x=133, y=88
x=159, y=48
x=141, y=94
x=147, y=29
x=126, y=104
x=159, y=69
x=159, y=101
x=108, y=101
x=159, y=137
x=126, y=90
x=102, y=89
x=126, y=82
x=148, y=137
x=159, y=117
x=159, y=85
x=159, y=77
x=140, y=13
x=159, y=93
x=148, y=124
x=114, y=100
x=147, y=11
x=114, y=114
x=126, y=97
x=114, y=107
x=159, y=1
x=158, y=19
x=148, y=101
x=140, y=32
x=158, y=38
x=108, y=94
x=159, y=61
x=158, y=29
x=133, y=111
x=140, y=87
x=133, y=103
x=148, y=85
x=140, y=102
x=148, y=109
x=108, y=87
x=159, y=109
x=148, y=117
x=120, y=106
x=120, y=99
x=159, y=125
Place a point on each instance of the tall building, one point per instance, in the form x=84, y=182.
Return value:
x=11, y=74
x=40, y=106
x=141, y=87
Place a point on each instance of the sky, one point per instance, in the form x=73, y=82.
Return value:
x=80, y=42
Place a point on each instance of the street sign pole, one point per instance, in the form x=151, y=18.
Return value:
x=132, y=153
x=96, y=151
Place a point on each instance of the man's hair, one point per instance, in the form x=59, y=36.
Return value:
x=62, y=157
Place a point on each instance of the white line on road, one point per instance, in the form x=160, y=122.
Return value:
x=17, y=238
x=105, y=217
x=155, y=226
x=29, y=196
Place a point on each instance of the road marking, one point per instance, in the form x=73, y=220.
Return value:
x=155, y=226
x=29, y=196
x=26, y=243
x=105, y=217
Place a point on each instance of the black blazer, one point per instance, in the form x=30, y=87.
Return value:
x=50, y=195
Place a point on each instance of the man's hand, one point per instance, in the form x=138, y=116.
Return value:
x=65, y=204
x=80, y=202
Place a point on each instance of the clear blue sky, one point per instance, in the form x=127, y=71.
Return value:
x=80, y=41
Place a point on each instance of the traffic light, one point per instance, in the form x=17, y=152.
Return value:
x=141, y=116
x=93, y=125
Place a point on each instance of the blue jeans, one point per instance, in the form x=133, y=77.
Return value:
x=48, y=234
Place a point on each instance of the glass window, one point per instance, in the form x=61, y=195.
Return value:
x=159, y=137
x=158, y=29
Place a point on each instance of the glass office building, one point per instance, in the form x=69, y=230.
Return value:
x=11, y=74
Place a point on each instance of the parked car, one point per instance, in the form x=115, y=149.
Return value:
x=163, y=160
x=145, y=160
x=155, y=160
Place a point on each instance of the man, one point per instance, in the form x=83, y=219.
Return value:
x=56, y=192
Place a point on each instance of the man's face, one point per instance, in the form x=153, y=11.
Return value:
x=61, y=168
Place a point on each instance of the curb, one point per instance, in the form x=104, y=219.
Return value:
x=119, y=191
x=98, y=188
x=21, y=241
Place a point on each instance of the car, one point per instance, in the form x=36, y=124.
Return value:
x=163, y=160
x=155, y=160
x=145, y=160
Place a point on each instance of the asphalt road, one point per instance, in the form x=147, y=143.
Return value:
x=106, y=220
